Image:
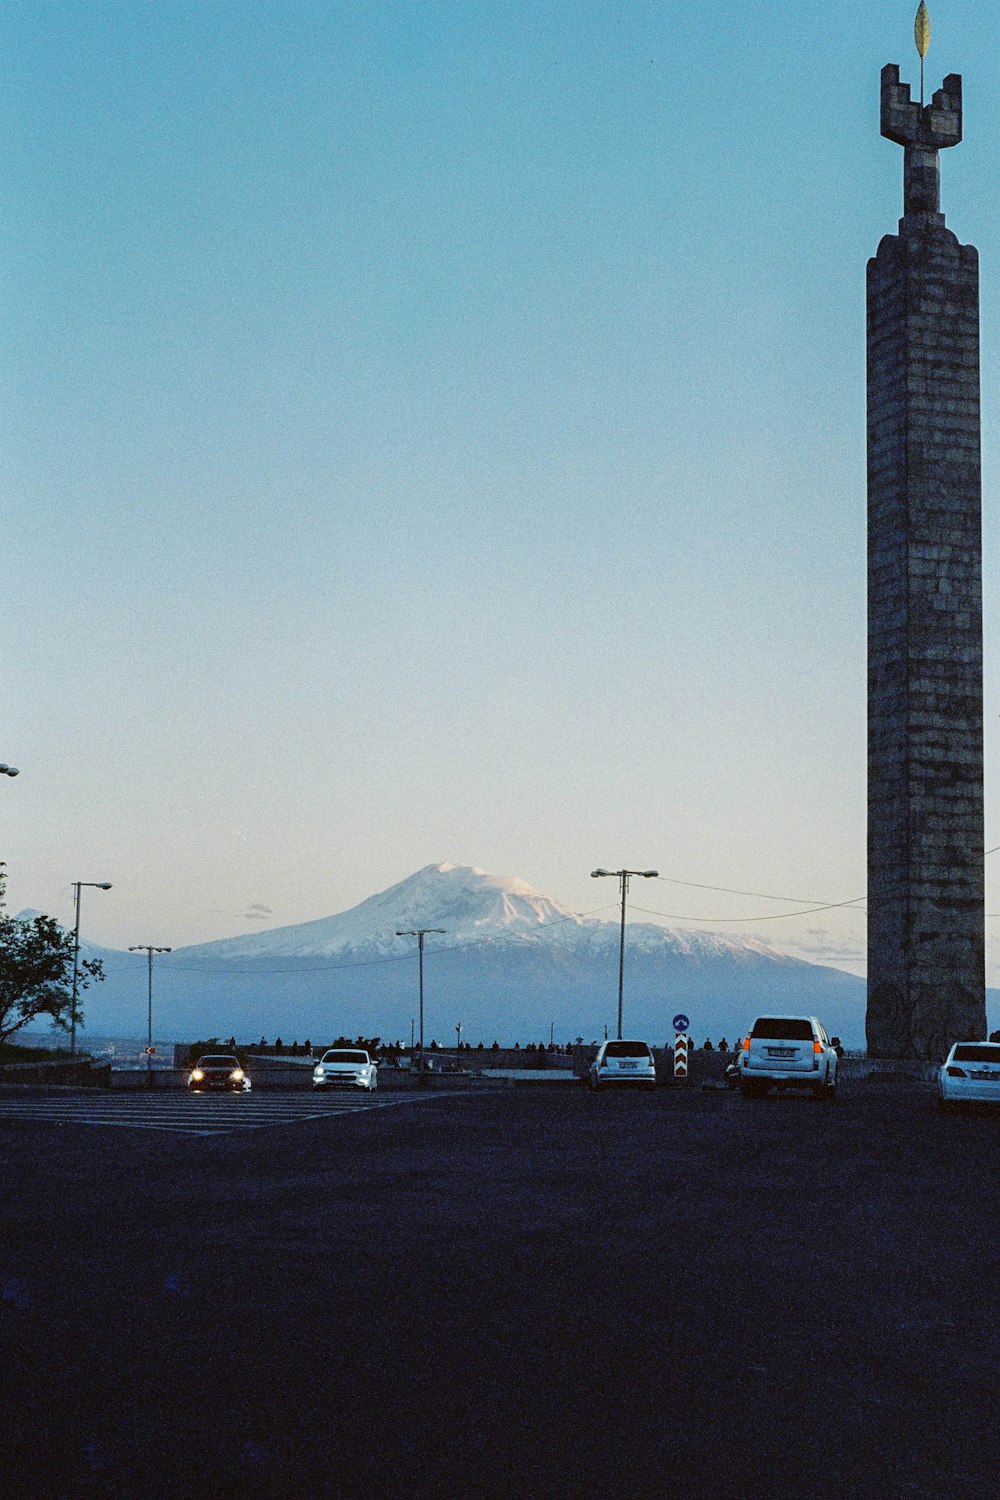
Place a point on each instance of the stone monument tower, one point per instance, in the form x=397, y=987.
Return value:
x=926, y=922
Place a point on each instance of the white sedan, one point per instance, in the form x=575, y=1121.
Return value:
x=346, y=1068
x=970, y=1074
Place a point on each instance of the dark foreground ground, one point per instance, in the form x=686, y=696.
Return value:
x=518, y=1292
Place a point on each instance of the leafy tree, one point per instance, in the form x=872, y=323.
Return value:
x=36, y=971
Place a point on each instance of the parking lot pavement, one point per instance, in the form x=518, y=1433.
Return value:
x=526, y=1293
x=183, y=1113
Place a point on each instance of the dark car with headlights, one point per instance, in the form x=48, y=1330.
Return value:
x=218, y=1072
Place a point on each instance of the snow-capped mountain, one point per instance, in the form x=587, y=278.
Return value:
x=472, y=906
x=511, y=964
x=469, y=904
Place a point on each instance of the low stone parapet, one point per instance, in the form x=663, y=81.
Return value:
x=80, y=1072
x=887, y=1070
x=149, y=1078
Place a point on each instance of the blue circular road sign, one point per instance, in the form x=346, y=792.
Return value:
x=681, y=1023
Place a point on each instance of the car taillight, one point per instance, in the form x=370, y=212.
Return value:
x=746, y=1044
x=817, y=1048
x=954, y=1072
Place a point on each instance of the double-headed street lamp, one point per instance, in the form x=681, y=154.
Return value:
x=98, y=885
x=420, y=933
x=624, y=876
x=8, y=770
x=149, y=950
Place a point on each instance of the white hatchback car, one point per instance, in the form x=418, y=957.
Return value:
x=970, y=1074
x=346, y=1068
x=622, y=1062
x=788, y=1052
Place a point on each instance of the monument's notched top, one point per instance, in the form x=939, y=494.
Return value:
x=936, y=125
x=922, y=130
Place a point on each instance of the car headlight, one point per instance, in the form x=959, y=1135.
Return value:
x=197, y=1075
x=317, y=1072
x=236, y=1076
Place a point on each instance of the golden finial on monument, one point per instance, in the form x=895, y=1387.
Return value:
x=922, y=37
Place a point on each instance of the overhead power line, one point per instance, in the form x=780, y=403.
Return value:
x=772, y=916
x=761, y=895
x=811, y=905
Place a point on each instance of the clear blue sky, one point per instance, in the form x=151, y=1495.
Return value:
x=435, y=431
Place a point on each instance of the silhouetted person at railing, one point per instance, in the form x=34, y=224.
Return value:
x=723, y=1045
x=706, y=1045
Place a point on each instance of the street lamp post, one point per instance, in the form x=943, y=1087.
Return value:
x=624, y=876
x=149, y=950
x=458, y=1045
x=420, y=933
x=98, y=885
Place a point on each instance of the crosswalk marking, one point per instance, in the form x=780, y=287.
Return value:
x=191, y=1114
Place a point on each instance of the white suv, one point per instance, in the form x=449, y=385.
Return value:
x=345, y=1068
x=788, y=1052
x=622, y=1062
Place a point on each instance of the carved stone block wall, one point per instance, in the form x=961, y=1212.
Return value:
x=926, y=943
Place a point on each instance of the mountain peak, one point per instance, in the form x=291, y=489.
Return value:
x=468, y=903
x=472, y=878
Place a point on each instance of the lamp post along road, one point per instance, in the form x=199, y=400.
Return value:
x=420, y=933
x=98, y=885
x=149, y=950
x=624, y=876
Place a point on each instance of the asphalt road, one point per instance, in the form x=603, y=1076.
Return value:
x=518, y=1292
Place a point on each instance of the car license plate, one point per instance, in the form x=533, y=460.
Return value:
x=781, y=1051
x=987, y=1077
x=628, y=1065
